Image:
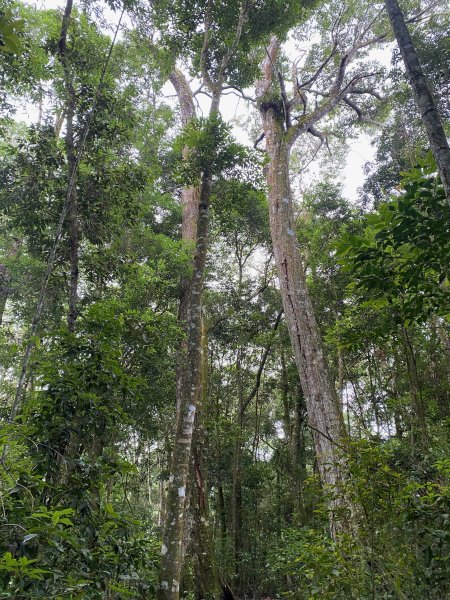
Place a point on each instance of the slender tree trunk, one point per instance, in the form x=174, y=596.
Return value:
x=5, y=277
x=73, y=212
x=189, y=379
x=418, y=420
x=236, y=506
x=71, y=101
x=422, y=92
x=445, y=339
x=189, y=390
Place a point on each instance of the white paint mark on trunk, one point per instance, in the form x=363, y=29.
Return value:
x=182, y=491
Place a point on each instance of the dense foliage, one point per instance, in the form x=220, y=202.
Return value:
x=90, y=131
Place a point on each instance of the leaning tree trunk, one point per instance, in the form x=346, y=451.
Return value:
x=324, y=417
x=424, y=98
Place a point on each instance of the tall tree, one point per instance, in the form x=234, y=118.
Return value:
x=281, y=128
x=425, y=102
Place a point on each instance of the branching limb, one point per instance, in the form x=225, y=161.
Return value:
x=205, y=48
x=259, y=139
x=361, y=117
x=243, y=13
x=314, y=77
x=368, y=91
x=321, y=136
x=240, y=93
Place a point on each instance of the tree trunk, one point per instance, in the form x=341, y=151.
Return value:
x=71, y=101
x=424, y=98
x=189, y=378
x=5, y=277
x=73, y=211
x=206, y=575
x=418, y=420
x=324, y=417
x=189, y=390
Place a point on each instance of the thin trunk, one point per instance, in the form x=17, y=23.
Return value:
x=189, y=380
x=418, y=419
x=189, y=388
x=298, y=452
x=445, y=339
x=73, y=212
x=5, y=277
x=424, y=98
x=236, y=506
x=71, y=102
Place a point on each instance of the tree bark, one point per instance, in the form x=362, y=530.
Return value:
x=322, y=403
x=5, y=277
x=73, y=212
x=206, y=575
x=418, y=419
x=71, y=101
x=189, y=390
x=424, y=98
x=189, y=387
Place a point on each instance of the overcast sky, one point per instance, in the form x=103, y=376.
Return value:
x=360, y=149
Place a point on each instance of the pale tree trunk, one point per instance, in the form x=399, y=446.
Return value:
x=190, y=380
x=5, y=277
x=445, y=340
x=424, y=98
x=324, y=417
x=189, y=390
x=73, y=213
x=195, y=225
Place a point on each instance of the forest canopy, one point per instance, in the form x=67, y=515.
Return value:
x=224, y=332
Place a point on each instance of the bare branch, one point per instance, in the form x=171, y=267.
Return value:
x=368, y=91
x=205, y=47
x=243, y=12
x=260, y=369
x=361, y=117
x=240, y=92
x=314, y=77
x=322, y=137
x=259, y=139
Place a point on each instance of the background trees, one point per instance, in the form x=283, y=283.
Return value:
x=90, y=452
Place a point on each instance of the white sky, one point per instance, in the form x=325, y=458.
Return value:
x=360, y=150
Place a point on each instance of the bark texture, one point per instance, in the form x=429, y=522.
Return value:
x=195, y=223
x=71, y=101
x=5, y=277
x=189, y=377
x=324, y=417
x=189, y=389
x=424, y=98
